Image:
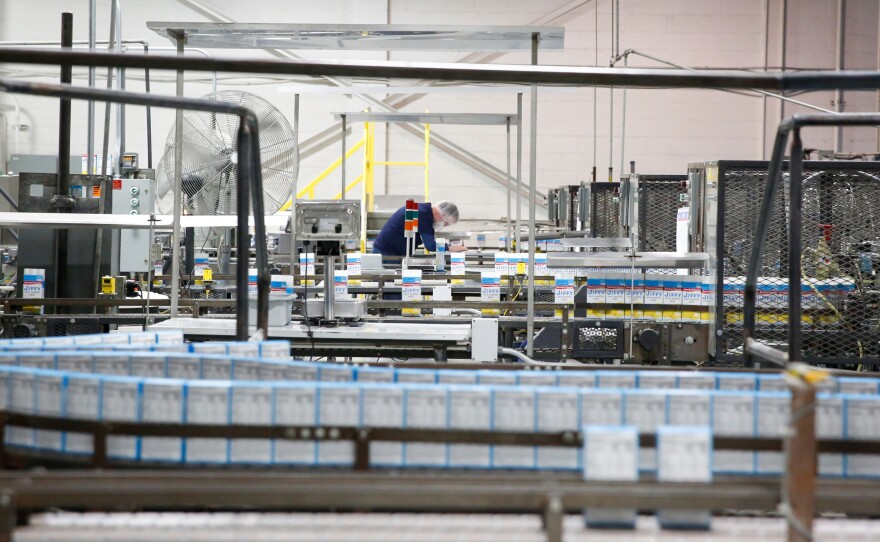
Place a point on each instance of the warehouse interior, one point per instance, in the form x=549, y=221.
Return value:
x=464, y=270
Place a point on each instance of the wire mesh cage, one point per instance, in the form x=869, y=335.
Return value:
x=660, y=197
x=605, y=216
x=840, y=290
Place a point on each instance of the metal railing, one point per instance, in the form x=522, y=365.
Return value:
x=795, y=251
x=249, y=174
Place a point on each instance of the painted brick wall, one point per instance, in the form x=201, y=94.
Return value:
x=664, y=129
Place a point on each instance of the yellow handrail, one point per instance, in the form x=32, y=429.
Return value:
x=350, y=186
x=308, y=192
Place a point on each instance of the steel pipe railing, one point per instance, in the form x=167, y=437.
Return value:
x=790, y=126
x=507, y=73
x=250, y=179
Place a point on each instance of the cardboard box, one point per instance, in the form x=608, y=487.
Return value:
x=610, y=454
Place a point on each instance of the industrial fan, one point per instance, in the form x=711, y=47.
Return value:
x=209, y=171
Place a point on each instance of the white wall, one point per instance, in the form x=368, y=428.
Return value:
x=665, y=129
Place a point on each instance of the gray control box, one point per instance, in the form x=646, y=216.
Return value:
x=133, y=197
x=328, y=220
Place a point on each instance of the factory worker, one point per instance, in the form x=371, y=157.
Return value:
x=432, y=217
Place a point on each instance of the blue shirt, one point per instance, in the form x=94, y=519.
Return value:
x=391, y=241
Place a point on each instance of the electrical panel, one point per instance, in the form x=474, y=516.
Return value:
x=328, y=220
x=133, y=197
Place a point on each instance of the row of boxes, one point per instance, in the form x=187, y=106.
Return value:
x=135, y=339
x=774, y=292
x=243, y=368
x=493, y=408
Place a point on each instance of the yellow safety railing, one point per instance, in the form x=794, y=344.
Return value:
x=308, y=192
x=367, y=178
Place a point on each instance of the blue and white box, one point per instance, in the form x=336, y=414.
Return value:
x=558, y=410
x=161, y=401
x=862, y=423
x=295, y=404
x=696, y=381
x=618, y=380
x=689, y=408
x=331, y=372
x=207, y=402
x=304, y=372
x=537, y=378
x=449, y=376
x=774, y=417
x=216, y=367
x=82, y=402
x=112, y=363
x=426, y=408
x=577, y=379
x=733, y=415
x=251, y=405
x=244, y=369
x=184, y=366
x=601, y=407
x=375, y=374
x=121, y=400
x=50, y=390
x=37, y=360
x=470, y=408
x=272, y=371
x=610, y=454
x=78, y=362
x=148, y=365
x=772, y=382
x=382, y=406
x=857, y=386
x=645, y=410
x=737, y=382
x=488, y=377
x=651, y=380
x=684, y=454
x=416, y=376
x=339, y=405
x=829, y=425
x=513, y=410
x=22, y=398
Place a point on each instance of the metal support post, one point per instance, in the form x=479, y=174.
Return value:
x=427, y=157
x=90, y=138
x=342, y=167
x=175, y=225
x=293, y=190
x=507, y=242
x=795, y=226
x=533, y=180
x=63, y=184
x=329, y=290
x=519, y=110
x=839, y=102
x=554, y=513
x=120, y=107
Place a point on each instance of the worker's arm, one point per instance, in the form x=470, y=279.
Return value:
x=428, y=241
x=457, y=248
